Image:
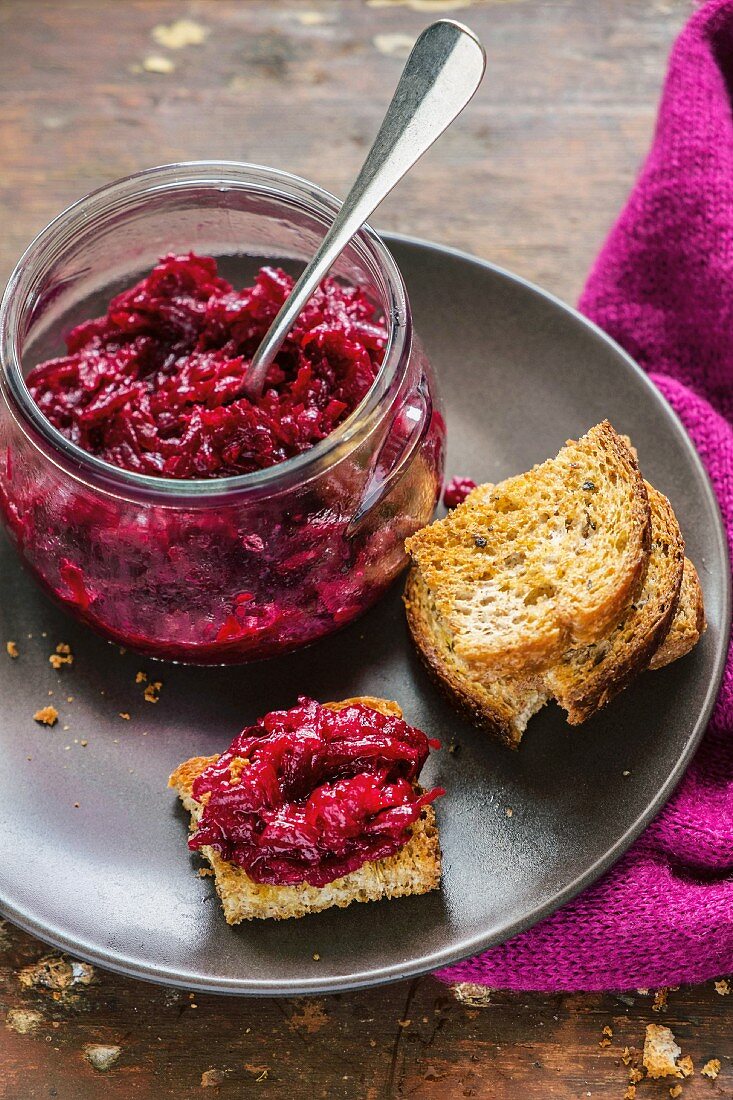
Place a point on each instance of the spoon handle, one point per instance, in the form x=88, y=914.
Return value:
x=444, y=69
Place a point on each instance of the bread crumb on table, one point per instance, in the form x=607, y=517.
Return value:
x=125, y=715
x=101, y=1055
x=11, y=649
x=47, y=716
x=181, y=33
x=472, y=994
x=661, y=1053
x=156, y=63
x=722, y=987
x=675, y=1091
x=141, y=677
x=686, y=1066
x=660, y=1000
x=711, y=1069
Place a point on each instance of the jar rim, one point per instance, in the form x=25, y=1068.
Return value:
x=126, y=191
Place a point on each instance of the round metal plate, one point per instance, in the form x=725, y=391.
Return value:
x=112, y=880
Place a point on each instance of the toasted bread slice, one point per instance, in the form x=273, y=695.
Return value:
x=585, y=679
x=524, y=569
x=501, y=705
x=415, y=869
x=688, y=625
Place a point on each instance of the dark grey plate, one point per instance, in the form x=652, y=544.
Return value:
x=113, y=882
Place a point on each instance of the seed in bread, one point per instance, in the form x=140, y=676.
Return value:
x=523, y=569
x=414, y=869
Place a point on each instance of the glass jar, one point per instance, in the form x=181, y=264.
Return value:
x=232, y=569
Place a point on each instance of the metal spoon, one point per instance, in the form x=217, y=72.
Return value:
x=444, y=69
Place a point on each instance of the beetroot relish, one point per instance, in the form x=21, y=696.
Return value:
x=154, y=386
x=310, y=794
x=457, y=490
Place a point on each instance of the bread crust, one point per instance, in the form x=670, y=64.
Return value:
x=689, y=623
x=586, y=681
x=415, y=869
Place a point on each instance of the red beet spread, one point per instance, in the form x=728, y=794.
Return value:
x=309, y=794
x=154, y=386
x=457, y=490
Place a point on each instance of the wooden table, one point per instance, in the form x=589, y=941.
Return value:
x=530, y=177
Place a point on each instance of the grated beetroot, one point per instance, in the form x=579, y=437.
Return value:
x=154, y=386
x=457, y=490
x=311, y=793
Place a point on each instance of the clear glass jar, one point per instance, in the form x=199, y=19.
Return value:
x=233, y=569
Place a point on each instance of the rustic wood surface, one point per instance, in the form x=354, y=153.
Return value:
x=530, y=177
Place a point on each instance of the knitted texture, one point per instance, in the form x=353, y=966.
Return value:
x=663, y=288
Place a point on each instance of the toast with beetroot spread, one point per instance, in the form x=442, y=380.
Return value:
x=314, y=807
x=571, y=535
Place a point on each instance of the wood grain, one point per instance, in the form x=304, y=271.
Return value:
x=530, y=177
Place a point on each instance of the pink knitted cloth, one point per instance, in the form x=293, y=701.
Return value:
x=663, y=288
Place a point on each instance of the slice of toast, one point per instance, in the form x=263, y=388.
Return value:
x=688, y=625
x=524, y=569
x=586, y=678
x=415, y=869
x=501, y=705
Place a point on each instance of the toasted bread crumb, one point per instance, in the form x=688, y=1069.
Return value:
x=182, y=32
x=23, y=1020
x=47, y=716
x=141, y=678
x=660, y=1000
x=212, y=1078
x=722, y=987
x=152, y=691
x=661, y=1052
x=630, y=1093
x=472, y=994
x=156, y=63
x=635, y=1075
x=12, y=650
x=686, y=1066
x=675, y=1091
x=101, y=1056
x=316, y=957
x=711, y=1069
x=125, y=715
x=62, y=656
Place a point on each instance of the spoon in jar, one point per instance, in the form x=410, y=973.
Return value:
x=440, y=76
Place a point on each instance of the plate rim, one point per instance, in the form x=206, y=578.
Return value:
x=443, y=958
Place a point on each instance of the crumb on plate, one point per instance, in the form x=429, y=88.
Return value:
x=46, y=716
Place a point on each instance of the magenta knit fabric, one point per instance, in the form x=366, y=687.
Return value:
x=663, y=288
